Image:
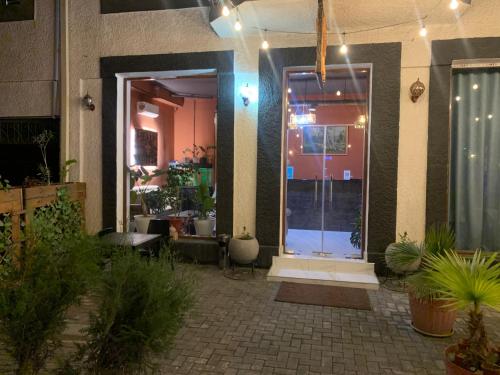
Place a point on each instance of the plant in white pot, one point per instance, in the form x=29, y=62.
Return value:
x=204, y=223
x=140, y=180
x=244, y=249
x=468, y=284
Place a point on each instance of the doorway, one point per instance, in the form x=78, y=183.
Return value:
x=325, y=162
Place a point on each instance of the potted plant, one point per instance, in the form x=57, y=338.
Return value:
x=207, y=155
x=244, y=249
x=429, y=316
x=468, y=284
x=177, y=177
x=140, y=179
x=204, y=224
x=195, y=154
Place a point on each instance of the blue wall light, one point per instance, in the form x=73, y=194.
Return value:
x=249, y=94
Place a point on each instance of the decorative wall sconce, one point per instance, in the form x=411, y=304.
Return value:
x=416, y=90
x=88, y=102
x=248, y=94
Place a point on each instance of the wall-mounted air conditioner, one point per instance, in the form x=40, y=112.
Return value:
x=148, y=109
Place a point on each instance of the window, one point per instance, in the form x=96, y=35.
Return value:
x=474, y=202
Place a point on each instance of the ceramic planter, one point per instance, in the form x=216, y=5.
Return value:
x=430, y=318
x=412, y=267
x=243, y=251
x=204, y=227
x=142, y=222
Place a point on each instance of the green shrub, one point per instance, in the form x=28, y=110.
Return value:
x=141, y=307
x=34, y=298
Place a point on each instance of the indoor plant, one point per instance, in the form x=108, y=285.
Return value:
x=468, y=284
x=207, y=156
x=428, y=315
x=244, y=249
x=204, y=223
x=141, y=178
x=177, y=177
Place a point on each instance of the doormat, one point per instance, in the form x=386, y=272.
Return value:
x=324, y=295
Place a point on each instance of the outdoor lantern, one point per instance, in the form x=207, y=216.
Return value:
x=248, y=94
x=88, y=102
x=416, y=90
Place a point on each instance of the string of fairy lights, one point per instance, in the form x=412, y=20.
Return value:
x=227, y=5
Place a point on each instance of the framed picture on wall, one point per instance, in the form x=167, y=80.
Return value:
x=146, y=147
x=313, y=137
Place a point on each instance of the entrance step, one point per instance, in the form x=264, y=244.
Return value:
x=312, y=270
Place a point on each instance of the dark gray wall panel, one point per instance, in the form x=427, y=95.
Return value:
x=23, y=11
x=120, y=6
x=443, y=53
x=386, y=60
x=223, y=61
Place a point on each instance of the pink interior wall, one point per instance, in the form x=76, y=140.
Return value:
x=187, y=132
x=163, y=125
x=310, y=166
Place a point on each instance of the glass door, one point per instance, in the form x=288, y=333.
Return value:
x=325, y=159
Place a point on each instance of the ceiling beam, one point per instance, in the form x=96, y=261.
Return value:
x=157, y=92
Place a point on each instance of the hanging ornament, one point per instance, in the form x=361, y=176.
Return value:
x=321, y=44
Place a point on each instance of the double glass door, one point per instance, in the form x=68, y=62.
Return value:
x=325, y=162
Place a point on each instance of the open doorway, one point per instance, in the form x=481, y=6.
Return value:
x=325, y=157
x=170, y=138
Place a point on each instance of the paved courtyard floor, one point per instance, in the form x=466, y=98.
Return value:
x=237, y=328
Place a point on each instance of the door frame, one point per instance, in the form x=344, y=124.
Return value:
x=366, y=156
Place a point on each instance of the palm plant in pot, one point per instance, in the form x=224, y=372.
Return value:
x=429, y=316
x=468, y=284
x=141, y=178
x=204, y=224
x=177, y=177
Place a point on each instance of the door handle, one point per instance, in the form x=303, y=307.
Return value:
x=331, y=191
x=315, y=191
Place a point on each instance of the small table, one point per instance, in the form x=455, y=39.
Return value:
x=133, y=239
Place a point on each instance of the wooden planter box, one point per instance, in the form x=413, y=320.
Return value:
x=11, y=202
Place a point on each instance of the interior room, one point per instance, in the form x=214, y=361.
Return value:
x=326, y=129
x=172, y=153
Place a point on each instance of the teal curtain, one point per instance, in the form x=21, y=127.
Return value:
x=475, y=159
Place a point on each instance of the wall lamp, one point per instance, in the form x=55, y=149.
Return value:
x=249, y=94
x=88, y=102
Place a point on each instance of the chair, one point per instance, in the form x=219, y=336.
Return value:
x=162, y=226
x=104, y=232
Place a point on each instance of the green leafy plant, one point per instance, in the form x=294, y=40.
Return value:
x=35, y=295
x=141, y=307
x=404, y=255
x=4, y=184
x=468, y=284
x=439, y=239
x=65, y=168
x=143, y=177
x=42, y=140
x=204, y=201
x=245, y=235
x=356, y=233
x=177, y=176
x=60, y=220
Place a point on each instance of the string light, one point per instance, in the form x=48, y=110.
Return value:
x=454, y=4
x=343, y=48
x=339, y=92
x=423, y=31
x=225, y=11
x=237, y=25
x=265, y=43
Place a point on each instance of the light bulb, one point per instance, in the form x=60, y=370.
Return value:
x=265, y=44
x=343, y=49
x=237, y=25
x=475, y=86
x=454, y=4
x=423, y=31
x=225, y=11
x=339, y=93
x=289, y=90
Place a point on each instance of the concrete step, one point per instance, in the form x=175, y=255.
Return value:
x=313, y=270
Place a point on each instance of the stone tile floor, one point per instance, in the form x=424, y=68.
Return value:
x=237, y=328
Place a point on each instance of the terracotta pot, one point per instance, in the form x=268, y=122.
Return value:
x=451, y=367
x=429, y=317
x=177, y=222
